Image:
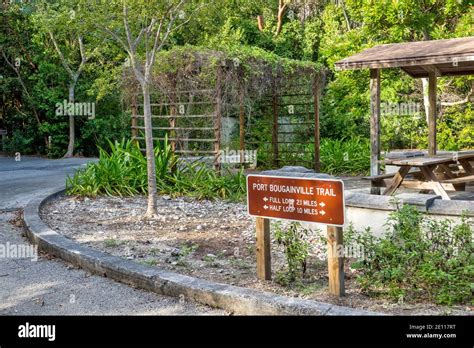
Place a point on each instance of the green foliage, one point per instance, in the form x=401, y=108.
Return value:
x=211, y=261
x=149, y=262
x=204, y=183
x=255, y=61
x=19, y=142
x=313, y=35
x=28, y=104
x=97, y=132
x=418, y=259
x=345, y=103
x=122, y=171
x=296, y=249
x=347, y=156
x=188, y=249
x=454, y=130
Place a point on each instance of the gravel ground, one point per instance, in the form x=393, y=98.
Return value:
x=52, y=287
x=205, y=239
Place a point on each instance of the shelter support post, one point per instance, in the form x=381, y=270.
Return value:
x=432, y=83
x=375, y=125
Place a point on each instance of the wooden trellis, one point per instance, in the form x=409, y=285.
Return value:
x=189, y=114
x=293, y=120
x=172, y=122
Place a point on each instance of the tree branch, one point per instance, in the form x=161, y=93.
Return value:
x=281, y=11
x=22, y=84
x=61, y=56
x=127, y=28
x=260, y=22
x=348, y=23
x=116, y=37
x=171, y=29
x=462, y=101
x=147, y=30
x=156, y=46
x=84, y=58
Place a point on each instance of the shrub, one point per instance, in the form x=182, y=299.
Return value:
x=418, y=259
x=346, y=156
x=338, y=156
x=19, y=141
x=202, y=182
x=296, y=249
x=122, y=171
x=119, y=171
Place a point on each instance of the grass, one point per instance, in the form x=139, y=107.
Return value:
x=211, y=261
x=112, y=243
x=184, y=251
x=306, y=289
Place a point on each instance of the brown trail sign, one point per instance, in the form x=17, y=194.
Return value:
x=298, y=196
x=299, y=199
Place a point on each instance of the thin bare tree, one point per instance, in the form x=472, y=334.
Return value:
x=153, y=35
x=73, y=77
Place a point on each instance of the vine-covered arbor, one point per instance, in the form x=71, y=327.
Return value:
x=225, y=105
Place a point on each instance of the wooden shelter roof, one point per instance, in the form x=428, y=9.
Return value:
x=444, y=57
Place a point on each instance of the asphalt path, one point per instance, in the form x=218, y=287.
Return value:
x=31, y=285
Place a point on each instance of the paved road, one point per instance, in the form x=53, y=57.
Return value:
x=31, y=176
x=49, y=287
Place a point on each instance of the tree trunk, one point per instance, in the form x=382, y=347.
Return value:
x=72, y=126
x=260, y=23
x=150, y=155
x=281, y=12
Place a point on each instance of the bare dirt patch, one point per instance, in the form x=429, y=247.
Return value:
x=212, y=240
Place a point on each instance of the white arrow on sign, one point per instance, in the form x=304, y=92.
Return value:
x=322, y=205
x=265, y=207
x=322, y=212
x=265, y=199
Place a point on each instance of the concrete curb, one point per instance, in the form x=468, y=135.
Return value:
x=235, y=299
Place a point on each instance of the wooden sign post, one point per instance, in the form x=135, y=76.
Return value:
x=335, y=260
x=311, y=199
x=264, y=262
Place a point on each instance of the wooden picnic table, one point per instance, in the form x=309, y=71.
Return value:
x=427, y=177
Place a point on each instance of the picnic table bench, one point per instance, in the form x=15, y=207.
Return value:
x=437, y=173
